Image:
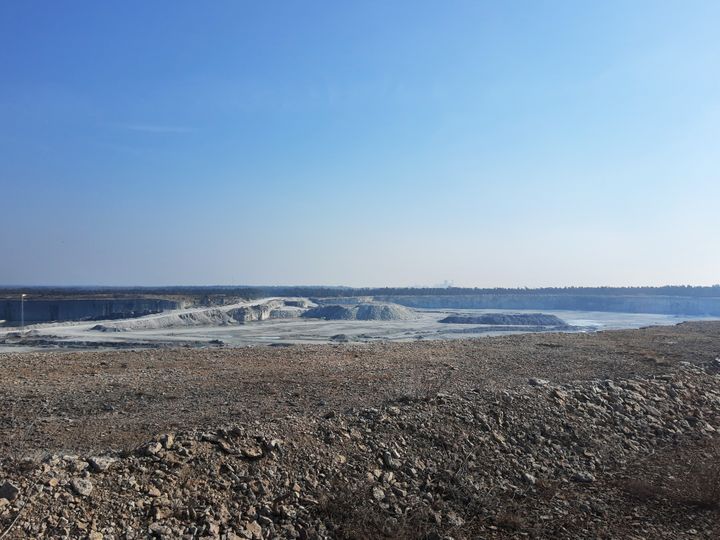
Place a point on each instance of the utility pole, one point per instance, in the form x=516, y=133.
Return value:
x=22, y=314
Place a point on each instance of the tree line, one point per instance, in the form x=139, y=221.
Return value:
x=251, y=292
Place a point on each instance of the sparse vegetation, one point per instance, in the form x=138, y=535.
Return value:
x=698, y=484
x=355, y=515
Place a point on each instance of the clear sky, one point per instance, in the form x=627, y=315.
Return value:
x=505, y=143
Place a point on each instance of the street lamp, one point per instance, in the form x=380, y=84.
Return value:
x=22, y=313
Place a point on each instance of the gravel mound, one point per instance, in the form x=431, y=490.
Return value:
x=544, y=460
x=214, y=316
x=507, y=319
x=361, y=312
x=206, y=317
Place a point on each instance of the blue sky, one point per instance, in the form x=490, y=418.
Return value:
x=519, y=143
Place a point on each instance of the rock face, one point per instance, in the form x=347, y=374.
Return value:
x=507, y=319
x=260, y=312
x=287, y=312
x=361, y=312
x=672, y=305
x=75, y=310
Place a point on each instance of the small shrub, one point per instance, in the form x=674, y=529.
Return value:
x=546, y=489
x=510, y=521
x=641, y=489
x=352, y=515
x=700, y=487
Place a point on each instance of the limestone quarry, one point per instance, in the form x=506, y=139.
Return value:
x=283, y=321
x=245, y=312
x=354, y=418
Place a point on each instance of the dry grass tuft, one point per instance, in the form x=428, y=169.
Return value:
x=700, y=487
x=642, y=490
x=510, y=521
x=355, y=516
x=694, y=481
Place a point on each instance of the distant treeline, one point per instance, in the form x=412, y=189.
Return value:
x=681, y=290
x=329, y=292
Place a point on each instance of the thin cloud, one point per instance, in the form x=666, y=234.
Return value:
x=155, y=128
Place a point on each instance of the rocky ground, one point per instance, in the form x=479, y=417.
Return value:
x=609, y=435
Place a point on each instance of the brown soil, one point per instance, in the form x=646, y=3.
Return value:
x=609, y=435
x=91, y=401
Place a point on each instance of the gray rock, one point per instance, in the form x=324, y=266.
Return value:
x=454, y=520
x=529, y=478
x=82, y=486
x=9, y=491
x=168, y=440
x=389, y=461
x=100, y=464
x=583, y=477
x=152, y=448
x=253, y=530
x=160, y=530
x=78, y=465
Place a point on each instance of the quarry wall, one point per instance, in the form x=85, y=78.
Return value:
x=667, y=305
x=82, y=309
